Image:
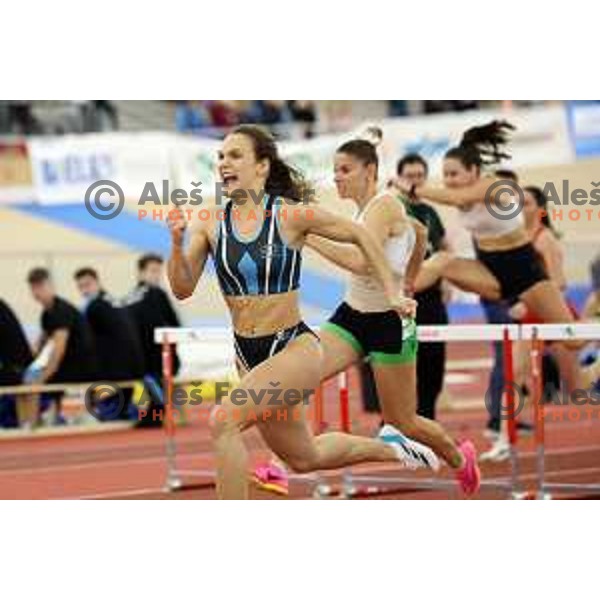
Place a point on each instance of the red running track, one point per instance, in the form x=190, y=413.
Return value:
x=131, y=463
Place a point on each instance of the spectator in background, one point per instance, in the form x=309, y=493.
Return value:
x=436, y=106
x=108, y=116
x=5, y=124
x=591, y=310
x=498, y=313
x=559, y=370
x=267, y=112
x=104, y=116
x=15, y=357
x=151, y=308
x=22, y=121
x=118, y=347
x=72, y=356
x=222, y=113
x=397, y=108
x=190, y=116
x=431, y=309
x=274, y=112
x=304, y=112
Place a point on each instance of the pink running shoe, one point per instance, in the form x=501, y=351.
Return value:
x=272, y=478
x=468, y=476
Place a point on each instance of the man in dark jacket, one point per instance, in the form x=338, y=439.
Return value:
x=72, y=357
x=15, y=357
x=431, y=310
x=151, y=308
x=118, y=347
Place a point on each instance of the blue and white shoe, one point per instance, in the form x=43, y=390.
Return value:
x=412, y=454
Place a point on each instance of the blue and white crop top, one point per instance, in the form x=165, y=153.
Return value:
x=261, y=265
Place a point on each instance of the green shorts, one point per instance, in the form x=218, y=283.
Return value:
x=407, y=355
x=410, y=341
x=383, y=337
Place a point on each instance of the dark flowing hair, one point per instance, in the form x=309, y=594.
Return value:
x=284, y=180
x=483, y=146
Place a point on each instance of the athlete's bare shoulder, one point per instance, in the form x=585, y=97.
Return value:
x=206, y=221
x=389, y=207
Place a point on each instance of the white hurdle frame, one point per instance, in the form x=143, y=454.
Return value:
x=426, y=333
x=174, y=480
x=468, y=334
x=537, y=334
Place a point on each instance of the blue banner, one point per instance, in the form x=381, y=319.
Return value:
x=584, y=126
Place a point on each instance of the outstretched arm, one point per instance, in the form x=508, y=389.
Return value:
x=459, y=198
x=316, y=221
x=346, y=256
x=418, y=255
x=185, y=268
x=350, y=257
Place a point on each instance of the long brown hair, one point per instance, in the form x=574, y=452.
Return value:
x=283, y=180
x=483, y=146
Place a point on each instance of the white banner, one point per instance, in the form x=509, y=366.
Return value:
x=194, y=160
x=64, y=167
x=541, y=138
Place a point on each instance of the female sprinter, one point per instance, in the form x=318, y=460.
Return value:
x=363, y=325
x=546, y=242
x=507, y=266
x=256, y=249
x=591, y=309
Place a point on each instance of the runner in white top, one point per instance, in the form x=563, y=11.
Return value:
x=364, y=325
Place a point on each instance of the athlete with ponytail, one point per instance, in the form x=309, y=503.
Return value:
x=507, y=265
x=364, y=326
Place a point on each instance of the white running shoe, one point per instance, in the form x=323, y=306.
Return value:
x=409, y=452
x=491, y=434
x=499, y=452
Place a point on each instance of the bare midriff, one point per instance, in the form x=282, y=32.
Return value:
x=255, y=316
x=508, y=241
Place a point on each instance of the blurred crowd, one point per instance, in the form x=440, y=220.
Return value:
x=103, y=339
x=282, y=116
x=194, y=116
x=19, y=117
x=294, y=119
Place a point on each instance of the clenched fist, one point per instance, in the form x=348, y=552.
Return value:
x=177, y=226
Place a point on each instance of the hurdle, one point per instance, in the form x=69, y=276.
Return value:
x=181, y=479
x=175, y=478
x=366, y=485
x=353, y=485
x=536, y=335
